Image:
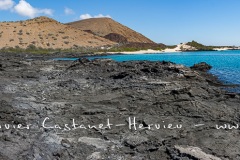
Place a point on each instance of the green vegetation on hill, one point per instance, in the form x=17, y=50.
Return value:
x=38, y=50
x=130, y=47
x=199, y=46
x=171, y=46
x=29, y=49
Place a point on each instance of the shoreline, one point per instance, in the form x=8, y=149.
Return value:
x=229, y=87
x=150, y=51
x=147, y=51
x=218, y=82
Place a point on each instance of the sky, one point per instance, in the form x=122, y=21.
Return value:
x=211, y=22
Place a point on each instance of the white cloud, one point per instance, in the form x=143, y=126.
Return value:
x=68, y=11
x=87, y=16
x=102, y=16
x=6, y=4
x=23, y=8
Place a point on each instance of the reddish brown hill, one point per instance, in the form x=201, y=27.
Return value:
x=46, y=33
x=105, y=26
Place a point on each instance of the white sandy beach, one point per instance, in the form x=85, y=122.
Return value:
x=150, y=51
x=222, y=49
x=179, y=48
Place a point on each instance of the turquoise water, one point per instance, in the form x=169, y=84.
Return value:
x=226, y=64
x=65, y=59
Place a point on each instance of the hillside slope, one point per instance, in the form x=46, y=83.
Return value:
x=46, y=33
x=105, y=27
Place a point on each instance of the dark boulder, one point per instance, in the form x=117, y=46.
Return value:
x=79, y=62
x=119, y=75
x=204, y=67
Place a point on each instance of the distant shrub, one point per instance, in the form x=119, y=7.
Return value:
x=172, y=47
x=31, y=47
x=199, y=46
x=20, y=32
x=65, y=37
x=17, y=47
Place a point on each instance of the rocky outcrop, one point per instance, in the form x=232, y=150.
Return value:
x=201, y=67
x=195, y=153
x=116, y=38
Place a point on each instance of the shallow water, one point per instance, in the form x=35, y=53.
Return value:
x=226, y=64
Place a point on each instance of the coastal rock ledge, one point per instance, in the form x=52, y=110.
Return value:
x=203, y=66
x=103, y=109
